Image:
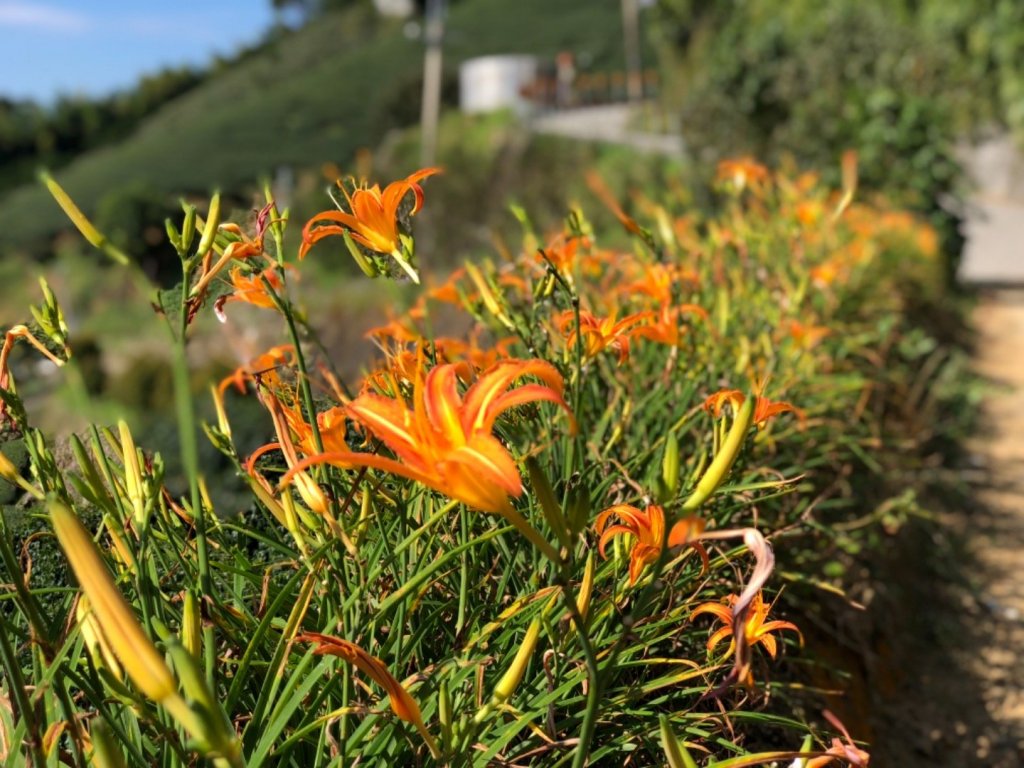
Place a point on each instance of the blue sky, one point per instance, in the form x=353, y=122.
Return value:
x=94, y=47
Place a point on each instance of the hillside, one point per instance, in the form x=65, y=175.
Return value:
x=310, y=97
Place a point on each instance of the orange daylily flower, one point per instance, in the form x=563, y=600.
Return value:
x=742, y=172
x=251, y=289
x=807, y=336
x=601, y=333
x=714, y=403
x=399, y=367
x=562, y=252
x=242, y=248
x=373, y=221
x=755, y=629
x=282, y=418
x=764, y=408
x=668, y=328
x=449, y=291
x=478, y=357
x=400, y=330
x=445, y=440
x=827, y=273
x=402, y=703
x=648, y=530
x=265, y=367
x=658, y=280
x=331, y=424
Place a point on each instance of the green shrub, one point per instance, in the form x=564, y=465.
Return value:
x=810, y=80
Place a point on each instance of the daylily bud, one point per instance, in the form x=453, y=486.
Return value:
x=55, y=325
x=99, y=648
x=722, y=310
x=726, y=456
x=212, y=222
x=677, y=754
x=487, y=296
x=8, y=471
x=222, y=417
x=214, y=730
x=173, y=235
x=115, y=620
x=89, y=232
x=121, y=551
x=191, y=626
x=90, y=474
x=670, y=463
x=530, y=242
x=514, y=674
x=141, y=660
x=188, y=228
x=368, y=267
x=96, y=238
x=586, y=586
x=579, y=509
x=807, y=745
x=132, y=474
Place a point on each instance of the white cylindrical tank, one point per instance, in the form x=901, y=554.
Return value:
x=490, y=83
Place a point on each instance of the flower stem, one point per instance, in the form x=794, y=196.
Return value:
x=190, y=463
x=593, y=676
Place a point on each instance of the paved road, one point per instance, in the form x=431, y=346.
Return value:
x=612, y=123
x=994, y=253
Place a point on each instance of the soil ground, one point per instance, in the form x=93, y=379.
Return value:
x=947, y=675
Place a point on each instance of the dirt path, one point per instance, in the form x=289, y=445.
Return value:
x=997, y=546
x=946, y=678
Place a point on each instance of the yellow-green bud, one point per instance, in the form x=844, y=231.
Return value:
x=514, y=674
x=173, y=235
x=212, y=222
x=140, y=659
x=188, y=228
x=191, y=625
x=670, y=463
x=677, y=754
x=726, y=456
x=369, y=268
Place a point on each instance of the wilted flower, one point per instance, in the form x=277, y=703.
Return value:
x=756, y=630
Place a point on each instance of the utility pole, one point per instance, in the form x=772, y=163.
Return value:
x=631, y=44
x=433, y=35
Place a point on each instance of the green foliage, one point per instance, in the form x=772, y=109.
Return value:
x=809, y=80
x=483, y=614
x=132, y=217
x=31, y=135
x=983, y=41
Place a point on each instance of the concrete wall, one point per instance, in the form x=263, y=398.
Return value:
x=491, y=83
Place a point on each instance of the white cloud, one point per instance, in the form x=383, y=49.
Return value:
x=28, y=14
